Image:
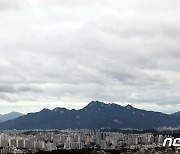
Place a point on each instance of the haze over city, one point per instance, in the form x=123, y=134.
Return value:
x=67, y=53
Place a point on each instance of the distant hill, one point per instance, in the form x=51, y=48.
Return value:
x=10, y=116
x=95, y=115
x=177, y=114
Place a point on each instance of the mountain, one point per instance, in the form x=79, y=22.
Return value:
x=177, y=114
x=10, y=116
x=95, y=115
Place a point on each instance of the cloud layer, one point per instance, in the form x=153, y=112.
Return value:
x=67, y=53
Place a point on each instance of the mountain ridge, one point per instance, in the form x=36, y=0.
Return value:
x=95, y=115
x=177, y=114
x=9, y=116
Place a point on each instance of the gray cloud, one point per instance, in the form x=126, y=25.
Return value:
x=67, y=53
x=7, y=88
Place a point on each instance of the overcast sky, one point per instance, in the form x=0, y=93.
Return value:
x=67, y=53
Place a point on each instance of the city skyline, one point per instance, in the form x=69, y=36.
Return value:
x=69, y=53
x=79, y=139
